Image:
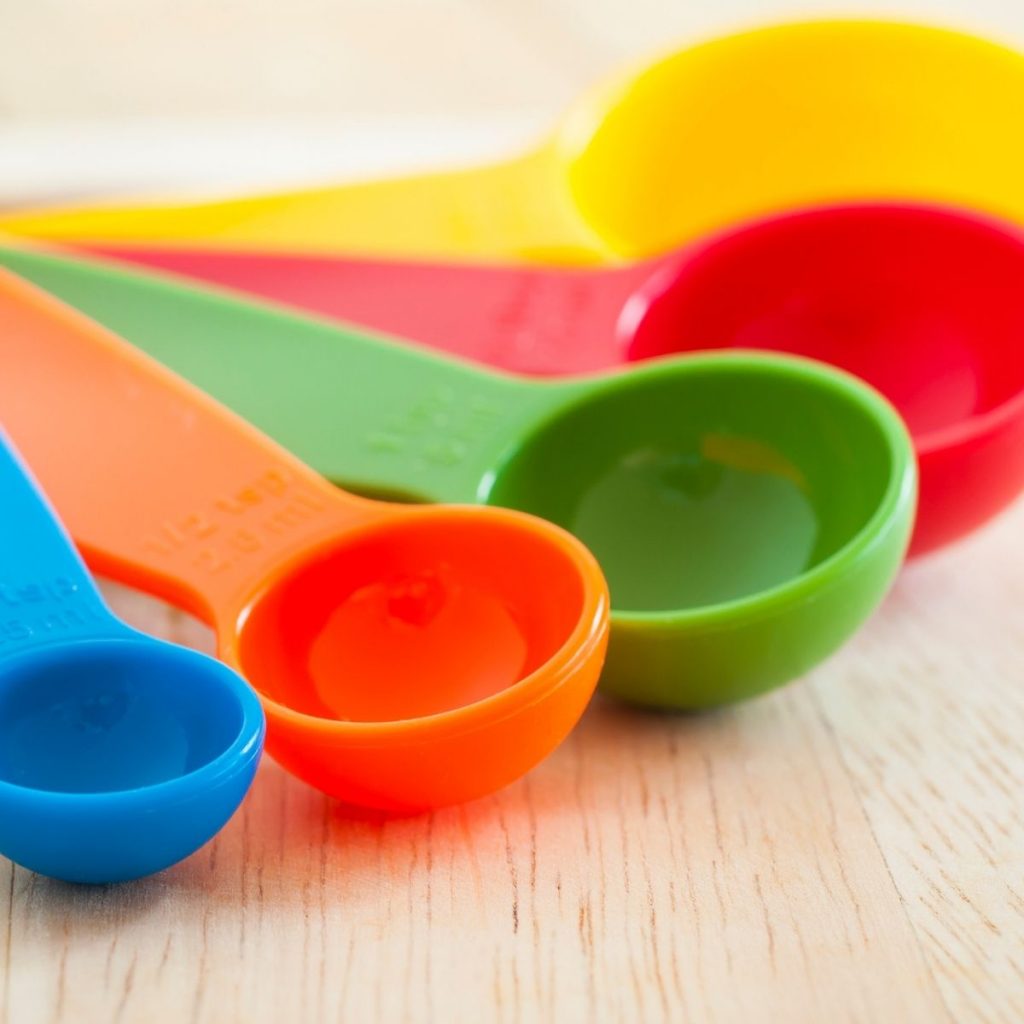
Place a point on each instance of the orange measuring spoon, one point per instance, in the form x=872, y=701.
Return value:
x=406, y=656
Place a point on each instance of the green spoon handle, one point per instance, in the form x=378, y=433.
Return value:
x=378, y=417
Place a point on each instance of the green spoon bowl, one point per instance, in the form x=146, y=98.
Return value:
x=750, y=510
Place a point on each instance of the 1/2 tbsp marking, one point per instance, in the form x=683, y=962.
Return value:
x=237, y=524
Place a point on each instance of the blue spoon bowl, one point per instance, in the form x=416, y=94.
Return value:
x=120, y=754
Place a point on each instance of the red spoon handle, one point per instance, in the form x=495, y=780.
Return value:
x=537, y=321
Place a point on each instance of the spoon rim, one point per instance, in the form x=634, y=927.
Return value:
x=237, y=757
x=584, y=642
x=833, y=384
x=981, y=222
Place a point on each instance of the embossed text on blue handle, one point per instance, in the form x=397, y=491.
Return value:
x=46, y=592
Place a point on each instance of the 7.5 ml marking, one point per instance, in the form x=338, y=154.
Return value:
x=237, y=524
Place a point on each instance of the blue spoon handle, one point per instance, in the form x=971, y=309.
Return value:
x=46, y=592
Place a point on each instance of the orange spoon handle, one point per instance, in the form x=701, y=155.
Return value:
x=160, y=487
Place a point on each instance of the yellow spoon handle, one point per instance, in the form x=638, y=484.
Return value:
x=520, y=208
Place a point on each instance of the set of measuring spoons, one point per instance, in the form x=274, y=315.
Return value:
x=424, y=551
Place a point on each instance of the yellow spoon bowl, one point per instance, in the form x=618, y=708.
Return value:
x=752, y=123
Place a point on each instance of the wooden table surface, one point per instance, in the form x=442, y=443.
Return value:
x=848, y=849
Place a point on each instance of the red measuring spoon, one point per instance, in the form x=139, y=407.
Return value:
x=925, y=303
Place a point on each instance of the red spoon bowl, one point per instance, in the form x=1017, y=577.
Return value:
x=926, y=305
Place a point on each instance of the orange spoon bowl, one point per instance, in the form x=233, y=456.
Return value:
x=406, y=657
x=481, y=662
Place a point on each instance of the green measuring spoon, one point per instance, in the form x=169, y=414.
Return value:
x=749, y=510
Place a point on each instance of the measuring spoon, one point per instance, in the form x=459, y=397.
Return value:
x=743, y=125
x=406, y=657
x=749, y=510
x=924, y=303
x=120, y=754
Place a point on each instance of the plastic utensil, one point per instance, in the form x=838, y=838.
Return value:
x=924, y=303
x=744, y=125
x=120, y=754
x=749, y=510
x=406, y=657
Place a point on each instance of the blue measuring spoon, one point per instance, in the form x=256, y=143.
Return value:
x=120, y=754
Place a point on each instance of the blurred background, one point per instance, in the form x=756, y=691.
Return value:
x=127, y=96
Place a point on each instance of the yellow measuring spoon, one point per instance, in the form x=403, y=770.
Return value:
x=747, y=124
